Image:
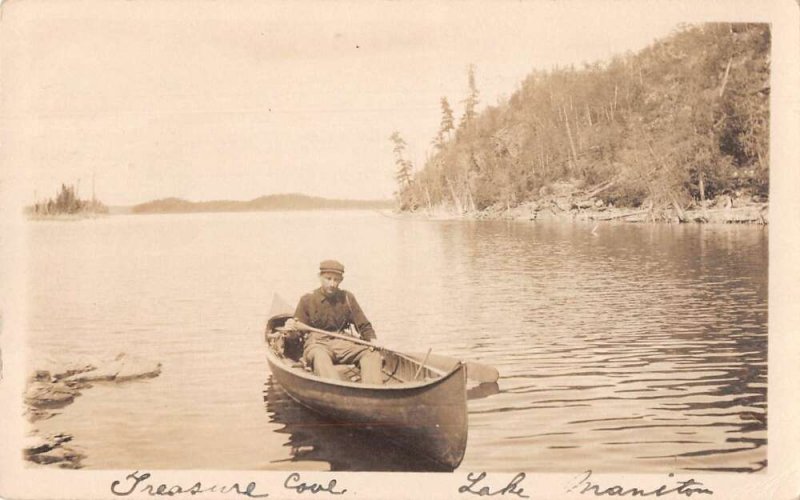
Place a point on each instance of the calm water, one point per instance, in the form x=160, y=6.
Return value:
x=638, y=347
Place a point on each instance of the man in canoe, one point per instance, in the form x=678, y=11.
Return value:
x=333, y=309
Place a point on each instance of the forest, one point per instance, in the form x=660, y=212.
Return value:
x=680, y=123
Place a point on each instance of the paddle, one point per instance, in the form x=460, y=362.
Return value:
x=477, y=372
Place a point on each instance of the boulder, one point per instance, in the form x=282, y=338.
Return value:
x=50, y=449
x=36, y=414
x=41, y=444
x=124, y=367
x=64, y=456
x=46, y=395
x=40, y=376
x=563, y=204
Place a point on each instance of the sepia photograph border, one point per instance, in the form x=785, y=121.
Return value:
x=780, y=480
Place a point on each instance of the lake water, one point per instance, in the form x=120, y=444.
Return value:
x=630, y=347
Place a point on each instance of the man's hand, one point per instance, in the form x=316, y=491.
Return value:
x=291, y=324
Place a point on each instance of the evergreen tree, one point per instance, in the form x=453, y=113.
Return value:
x=446, y=126
x=404, y=171
x=471, y=101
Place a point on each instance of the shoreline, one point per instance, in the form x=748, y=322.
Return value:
x=733, y=212
x=63, y=217
x=730, y=211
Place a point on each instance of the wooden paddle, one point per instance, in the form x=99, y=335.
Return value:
x=477, y=372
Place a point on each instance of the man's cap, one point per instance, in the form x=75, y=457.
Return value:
x=331, y=266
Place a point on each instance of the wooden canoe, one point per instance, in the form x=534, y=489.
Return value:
x=419, y=408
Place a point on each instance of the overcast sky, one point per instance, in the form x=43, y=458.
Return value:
x=232, y=100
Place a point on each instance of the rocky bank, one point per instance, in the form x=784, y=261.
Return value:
x=49, y=391
x=565, y=201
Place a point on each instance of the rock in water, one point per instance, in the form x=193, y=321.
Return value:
x=57, y=387
x=42, y=444
x=49, y=395
x=123, y=368
x=46, y=450
x=134, y=368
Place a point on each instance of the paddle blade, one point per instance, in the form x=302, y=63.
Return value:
x=279, y=306
x=483, y=374
x=477, y=372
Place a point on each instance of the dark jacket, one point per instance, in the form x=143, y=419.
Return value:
x=333, y=313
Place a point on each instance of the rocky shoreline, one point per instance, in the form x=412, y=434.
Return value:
x=721, y=210
x=49, y=391
x=751, y=213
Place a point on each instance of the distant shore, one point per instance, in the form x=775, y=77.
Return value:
x=65, y=217
x=275, y=202
x=270, y=203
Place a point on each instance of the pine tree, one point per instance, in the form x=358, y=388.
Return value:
x=446, y=126
x=404, y=173
x=471, y=101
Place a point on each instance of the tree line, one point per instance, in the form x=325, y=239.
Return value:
x=682, y=121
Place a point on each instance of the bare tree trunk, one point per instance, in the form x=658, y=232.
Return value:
x=702, y=190
x=456, y=201
x=725, y=78
x=571, y=142
x=578, y=130
x=428, y=196
x=678, y=209
x=703, y=196
x=600, y=188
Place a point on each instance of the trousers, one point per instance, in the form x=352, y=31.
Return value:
x=323, y=353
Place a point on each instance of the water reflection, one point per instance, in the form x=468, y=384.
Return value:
x=315, y=439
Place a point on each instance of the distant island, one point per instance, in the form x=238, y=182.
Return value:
x=66, y=204
x=264, y=203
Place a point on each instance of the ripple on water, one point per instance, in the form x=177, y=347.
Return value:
x=641, y=348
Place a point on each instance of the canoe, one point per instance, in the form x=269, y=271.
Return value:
x=419, y=408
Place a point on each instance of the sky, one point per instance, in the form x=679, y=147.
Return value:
x=211, y=100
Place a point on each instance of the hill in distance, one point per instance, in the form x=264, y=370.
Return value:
x=263, y=203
